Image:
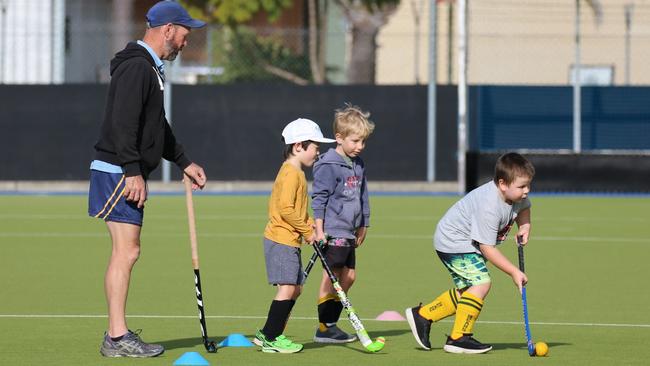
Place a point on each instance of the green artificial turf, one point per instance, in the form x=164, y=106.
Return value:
x=587, y=264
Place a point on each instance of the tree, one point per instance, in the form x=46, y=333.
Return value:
x=317, y=21
x=246, y=56
x=234, y=12
x=364, y=18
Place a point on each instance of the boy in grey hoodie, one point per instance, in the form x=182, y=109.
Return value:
x=341, y=209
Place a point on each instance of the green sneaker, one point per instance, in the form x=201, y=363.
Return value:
x=259, y=338
x=281, y=344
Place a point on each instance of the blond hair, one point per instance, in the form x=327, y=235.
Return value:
x=352, y=119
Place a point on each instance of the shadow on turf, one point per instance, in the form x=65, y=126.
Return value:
x=373, y=335
x=185, y=342
x=192, y=342
x=352, y=346
x=388, y=333
x=198, y=341
x=498, y=346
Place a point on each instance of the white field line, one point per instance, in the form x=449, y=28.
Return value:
x=81, y=316
x=229, y=217
x=8, y=216
x=101, y=234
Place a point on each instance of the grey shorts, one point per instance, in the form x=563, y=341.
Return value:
x=283, y=264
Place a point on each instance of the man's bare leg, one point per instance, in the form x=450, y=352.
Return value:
x=126, y=250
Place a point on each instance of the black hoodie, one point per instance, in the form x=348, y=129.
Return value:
x=135, y=133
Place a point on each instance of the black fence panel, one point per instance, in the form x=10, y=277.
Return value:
x=235, y=131
x=572, y=172
x=48, y=132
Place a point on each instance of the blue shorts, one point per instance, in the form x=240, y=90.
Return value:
x=106, y=200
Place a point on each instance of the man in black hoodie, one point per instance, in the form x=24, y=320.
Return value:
x=134, y=137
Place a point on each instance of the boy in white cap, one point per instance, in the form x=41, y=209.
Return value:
x=288, y=226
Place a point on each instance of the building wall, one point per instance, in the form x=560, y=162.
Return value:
x=31, y=35
x=89, y=41
x=518, y=42
x=97, y=29
x=335, y=45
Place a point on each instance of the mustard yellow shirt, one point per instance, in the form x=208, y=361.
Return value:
x=289, y=222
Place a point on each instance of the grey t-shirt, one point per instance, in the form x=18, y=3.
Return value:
x=482, y=216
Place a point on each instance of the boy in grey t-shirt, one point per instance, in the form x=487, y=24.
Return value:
x=466, y=237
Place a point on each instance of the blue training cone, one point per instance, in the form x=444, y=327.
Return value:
x=191, y=359
x=235, y=340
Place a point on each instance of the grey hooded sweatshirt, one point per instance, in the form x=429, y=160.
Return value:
x=340, y=195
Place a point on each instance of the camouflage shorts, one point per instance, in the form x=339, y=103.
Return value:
x=466, y=269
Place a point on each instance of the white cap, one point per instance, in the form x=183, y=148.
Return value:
x=301, y=130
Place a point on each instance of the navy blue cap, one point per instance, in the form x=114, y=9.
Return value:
x=171, y=12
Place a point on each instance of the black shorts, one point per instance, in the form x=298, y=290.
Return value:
x=341, y=256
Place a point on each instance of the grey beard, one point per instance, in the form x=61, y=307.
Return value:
x=173, y=52
x=172, y=56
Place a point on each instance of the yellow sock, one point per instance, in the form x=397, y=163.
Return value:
x=469, y=307
x=440, y=308
x=326, y=311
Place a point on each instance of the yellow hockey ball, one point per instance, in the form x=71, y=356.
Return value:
x=541, y=349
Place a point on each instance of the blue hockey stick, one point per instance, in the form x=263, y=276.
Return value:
x=531, y=345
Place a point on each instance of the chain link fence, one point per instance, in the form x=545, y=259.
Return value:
x=513, y=42
x=510, y=42
x=535, y=42
x=522, y=58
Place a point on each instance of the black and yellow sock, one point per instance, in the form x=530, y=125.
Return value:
x=440, y=308
x=329, y=311
x=277, y=319
x=469, y=308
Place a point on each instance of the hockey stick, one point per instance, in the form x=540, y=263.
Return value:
x=209, y=345
x=307, y=269
x=312, y=260
x=531, y=345
x=310, y=265
x=362, y=334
